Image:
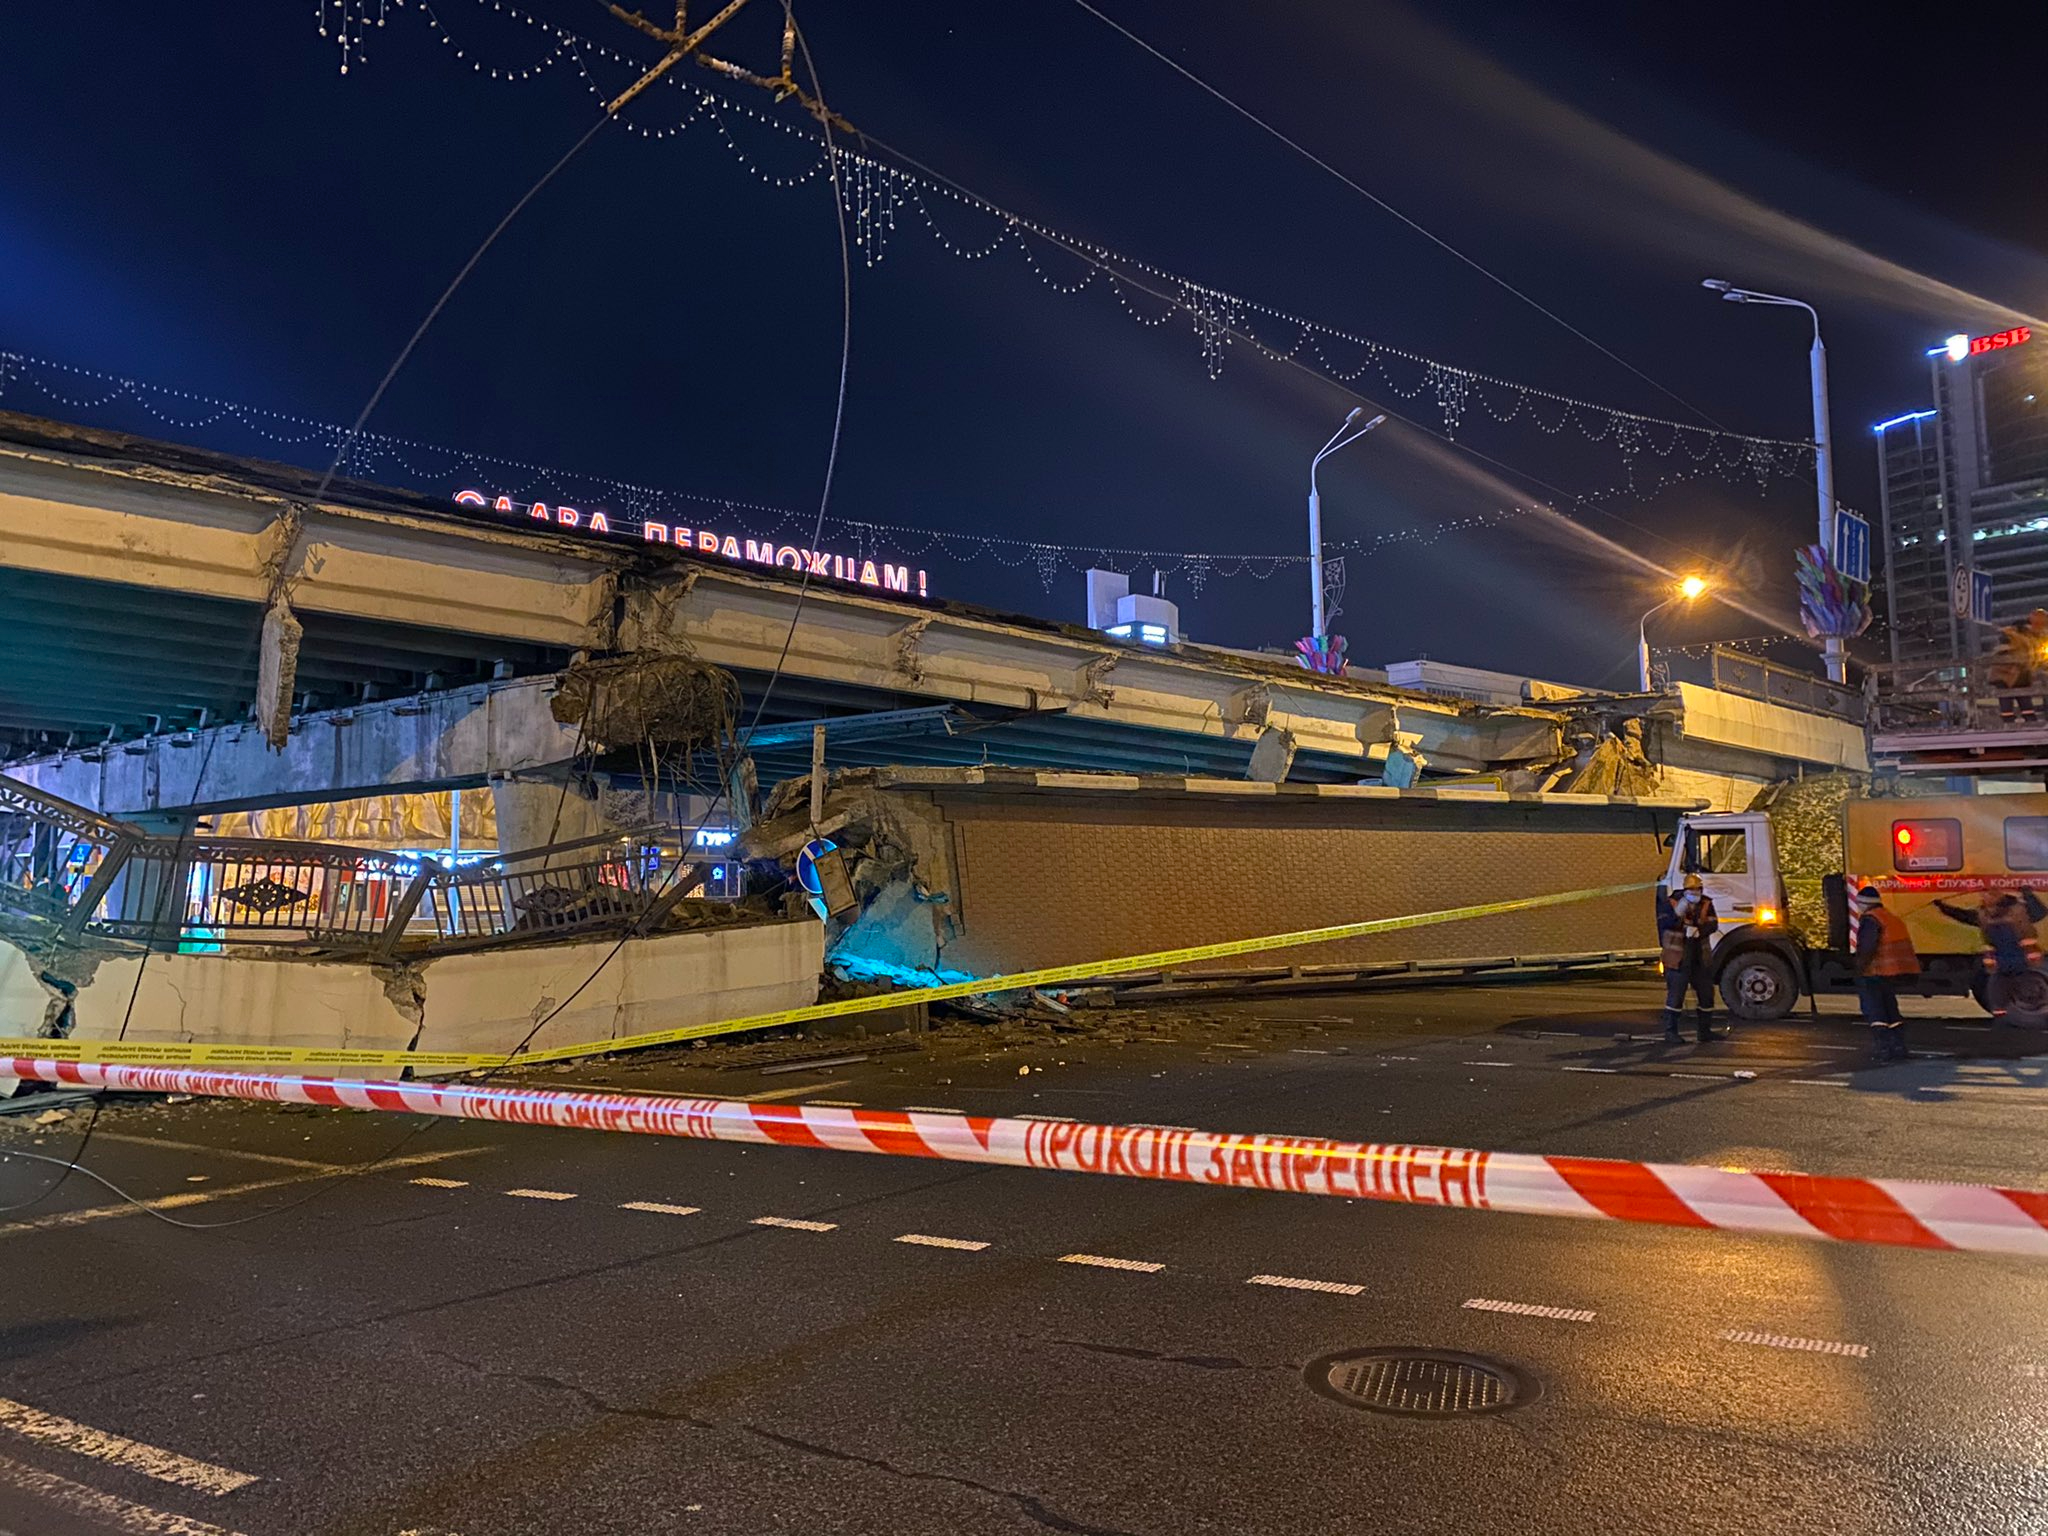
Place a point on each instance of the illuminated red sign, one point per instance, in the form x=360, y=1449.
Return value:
x=1960, y=347
x=817, y=562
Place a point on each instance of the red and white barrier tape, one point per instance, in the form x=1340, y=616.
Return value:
x=1902, y=1212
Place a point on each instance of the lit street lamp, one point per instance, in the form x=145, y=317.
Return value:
x=1688, y=589
x=1315, y=514
x=1823, y=446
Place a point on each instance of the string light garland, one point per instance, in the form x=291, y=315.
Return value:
x=875, y=193
x=434, y=466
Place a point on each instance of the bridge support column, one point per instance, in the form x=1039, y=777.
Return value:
x=537, y=809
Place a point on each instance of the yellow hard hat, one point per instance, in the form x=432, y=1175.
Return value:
x=1694, y=883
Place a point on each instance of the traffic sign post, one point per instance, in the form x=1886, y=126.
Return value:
x=1852, y=545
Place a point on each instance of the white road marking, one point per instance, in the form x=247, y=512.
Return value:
x=1400, y=1058
x=795, y=1225
x=1303, y=1050
x=433, y=1183
x=1782, y=1341
x=1818, y=1082
x=657, y=1208
x=1530, y=1309
x=932, y=1109
x=924, y=1240
x=166, y=1144
x=1487, y=1063
x=838, y=1103
x=1041, y=1117
x=800, y=1090
x=117, y=1513
x=1141, y=1266
x=1289, y=1282
x=1700, y=1077
x=1605, y=1071
x=541, y=1194
x=93, y=1213
x=149, y=1460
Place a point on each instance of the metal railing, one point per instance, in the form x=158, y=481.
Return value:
x=1979, y=694
x=76, y=874
x=1753, y=677
x=565, y=888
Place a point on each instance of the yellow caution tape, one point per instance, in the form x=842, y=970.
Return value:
x=186, y=1053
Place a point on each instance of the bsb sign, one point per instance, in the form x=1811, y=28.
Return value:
x=816, y=562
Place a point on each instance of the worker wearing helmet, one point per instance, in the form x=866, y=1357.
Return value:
x=1685, y=941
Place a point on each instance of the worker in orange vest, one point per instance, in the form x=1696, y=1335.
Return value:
x=1884, y=957
x=1686, y=923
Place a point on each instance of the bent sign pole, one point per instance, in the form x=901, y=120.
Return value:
x=1898, y=1212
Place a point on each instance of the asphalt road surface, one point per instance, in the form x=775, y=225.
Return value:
x=508, y=1330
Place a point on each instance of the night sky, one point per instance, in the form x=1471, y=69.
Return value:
x=197, y=197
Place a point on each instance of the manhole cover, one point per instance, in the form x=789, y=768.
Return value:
x=1434, y=1383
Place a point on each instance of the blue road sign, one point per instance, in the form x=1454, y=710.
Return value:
x=1852, y=545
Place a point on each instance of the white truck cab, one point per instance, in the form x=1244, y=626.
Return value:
x=1734, y=857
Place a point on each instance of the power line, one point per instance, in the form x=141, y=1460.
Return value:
x=1386, y=207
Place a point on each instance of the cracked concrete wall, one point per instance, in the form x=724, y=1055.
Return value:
x=481, y=1002
x=488, y=1001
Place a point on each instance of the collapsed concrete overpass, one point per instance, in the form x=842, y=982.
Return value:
x=138, y=574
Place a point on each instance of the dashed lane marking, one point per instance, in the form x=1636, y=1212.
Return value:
x=179, y=1202
x=1041, y=1117
x=542, y=1194
x=1819, y=1082
x=1530, y=1309
x=1291, y=1283
x=1139, y=1266
x=103, y=1508
x=1784, y=1341
x=838, y=1103
x=657, y=1208
x=796, y=1091
x=926, y=1240
x=1603, y=1071
x=932, y=1109
x=1487, y=1063
x=429, y=1182
x=794, y=1225
x=151, y=1461
x=1702, y=1077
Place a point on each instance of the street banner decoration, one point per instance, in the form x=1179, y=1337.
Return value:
x=1830, y=603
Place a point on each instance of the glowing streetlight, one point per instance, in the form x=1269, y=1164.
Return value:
x=1688, y=589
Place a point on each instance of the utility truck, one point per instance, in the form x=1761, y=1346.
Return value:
x=1786, y=933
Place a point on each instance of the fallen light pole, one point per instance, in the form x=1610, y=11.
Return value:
x=1897, y=1212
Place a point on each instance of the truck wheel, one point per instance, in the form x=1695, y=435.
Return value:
x=1980, y=990
x=1758, y=984
x=2026, y=999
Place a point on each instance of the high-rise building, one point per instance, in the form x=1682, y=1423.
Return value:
x=1965, y=486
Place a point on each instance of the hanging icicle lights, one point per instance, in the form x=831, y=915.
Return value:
x=628, y=510
x=877, y=193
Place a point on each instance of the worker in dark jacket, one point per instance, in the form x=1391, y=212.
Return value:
x=1884, y=957
x=2006, y=920
x=1685, y=942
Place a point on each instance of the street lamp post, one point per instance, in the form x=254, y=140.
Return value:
x=1317, y=620
x=1823, y=444
x=1688, y=589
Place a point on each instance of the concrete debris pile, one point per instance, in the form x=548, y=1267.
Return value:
x=899, y=867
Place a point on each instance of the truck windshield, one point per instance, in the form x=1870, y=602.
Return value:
x=1717, y=853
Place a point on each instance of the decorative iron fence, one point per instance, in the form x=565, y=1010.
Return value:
x=79, y=873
